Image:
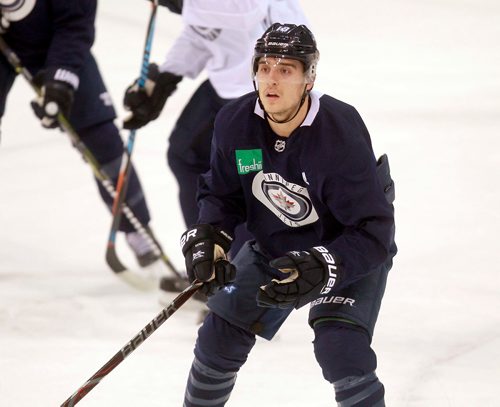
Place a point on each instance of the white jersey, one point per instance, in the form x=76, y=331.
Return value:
x=219, y=36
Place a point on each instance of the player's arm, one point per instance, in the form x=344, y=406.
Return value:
x=356, y=197
x=220, y=199
x=187, y=57
x=73, y=36
x=200, y=44
x=74, y=32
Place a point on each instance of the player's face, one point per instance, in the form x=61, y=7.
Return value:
x=281, y=83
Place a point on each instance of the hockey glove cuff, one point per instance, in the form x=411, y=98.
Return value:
x=312, y=272
x=146, y=103
x=57, y=87
x=204, y=250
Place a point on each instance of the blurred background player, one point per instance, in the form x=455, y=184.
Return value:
x=53, y=39
x=218, y=39
x=298, y=167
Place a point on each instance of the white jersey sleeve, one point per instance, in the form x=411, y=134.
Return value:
x=219, y=37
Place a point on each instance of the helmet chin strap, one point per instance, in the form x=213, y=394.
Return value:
x=268, y=116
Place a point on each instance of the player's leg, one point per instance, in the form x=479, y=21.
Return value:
x=343, y=325
x=237, y=302
x=7, y=77
x=228, y=332
x=105, y=143
x=188, y=154
x=221, y=349
x=92, y=117
x=348, y=362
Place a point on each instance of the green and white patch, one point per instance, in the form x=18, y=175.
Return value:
x=248, y=161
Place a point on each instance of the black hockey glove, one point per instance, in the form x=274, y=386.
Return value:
x=175, y=6
x=312, y=273
x=146, y=103
x=57, y=92
x=205, y=249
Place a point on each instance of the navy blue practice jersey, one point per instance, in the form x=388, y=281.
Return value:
x=316, y=187
x=50, y=33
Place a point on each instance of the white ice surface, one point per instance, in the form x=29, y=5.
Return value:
x=424, y=75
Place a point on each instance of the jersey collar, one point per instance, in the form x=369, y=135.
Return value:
x=311, y=114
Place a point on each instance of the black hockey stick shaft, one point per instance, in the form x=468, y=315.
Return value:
x=126, y=165
x=133, y=344
x=87, y=155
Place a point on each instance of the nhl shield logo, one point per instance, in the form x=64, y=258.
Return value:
x=280, y=145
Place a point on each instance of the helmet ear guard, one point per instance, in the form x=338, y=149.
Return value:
x=288, y=41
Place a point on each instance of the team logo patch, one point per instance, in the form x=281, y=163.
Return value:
x=248, y=161
x=288, y=201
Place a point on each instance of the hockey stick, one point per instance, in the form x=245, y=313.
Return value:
x=99, y=173
x=126, y=165
x=133, y=344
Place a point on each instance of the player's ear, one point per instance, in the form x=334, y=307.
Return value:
x=309, y=86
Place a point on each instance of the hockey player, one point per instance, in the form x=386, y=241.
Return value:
x=298, y=167
x=217, y=37
x=53, y=40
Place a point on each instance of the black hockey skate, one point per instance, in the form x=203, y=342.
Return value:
x=147, y=258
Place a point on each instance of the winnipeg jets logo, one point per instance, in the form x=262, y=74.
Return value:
x=280, y=145
x=199, y=254
x=282, y=201
x=288, y=201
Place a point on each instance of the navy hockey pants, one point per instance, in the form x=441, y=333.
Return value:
x=359, y=303
x=188, y=154
x=92, y=116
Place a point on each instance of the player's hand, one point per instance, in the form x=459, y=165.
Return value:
x=57, y=87
x=204, y=250
x=312, y=272
x=146, y=103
